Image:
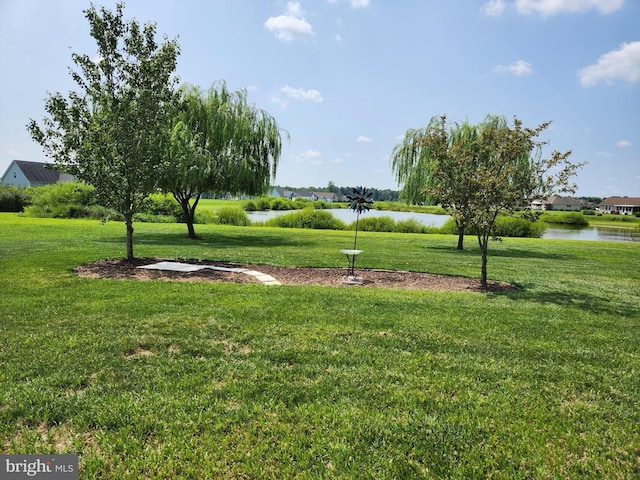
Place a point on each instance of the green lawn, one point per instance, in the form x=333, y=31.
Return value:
x=181, y=380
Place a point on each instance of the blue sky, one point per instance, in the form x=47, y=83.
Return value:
x=347, y=78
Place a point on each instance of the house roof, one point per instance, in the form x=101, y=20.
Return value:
x=621, y=201
x=325, y=195
x=558, y=200
x=38, y=172
x=303, y=193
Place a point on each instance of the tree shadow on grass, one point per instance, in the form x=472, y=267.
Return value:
x=237, y=240
x=587, y=302
x=506, y=252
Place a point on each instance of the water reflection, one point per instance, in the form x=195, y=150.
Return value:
x=607, y=234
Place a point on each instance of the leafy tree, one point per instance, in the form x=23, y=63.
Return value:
x=414, y=159
x=219, y=144
x=110, y=133
x=499, y=167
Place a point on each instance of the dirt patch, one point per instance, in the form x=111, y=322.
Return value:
x=123, y=269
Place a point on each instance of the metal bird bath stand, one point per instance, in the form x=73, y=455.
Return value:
x=351, y=276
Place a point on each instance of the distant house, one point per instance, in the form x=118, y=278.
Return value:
x=306, y=194
x=281, y=193
x=622, y=205
x=32, y=174
x=556, y=202
x=328, y=197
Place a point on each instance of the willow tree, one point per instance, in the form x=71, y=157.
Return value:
x=219, y=144
x=110, y=133
x=413, y=162
x=499, y=167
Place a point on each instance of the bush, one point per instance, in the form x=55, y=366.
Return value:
x=232, y=216
x=565, y=218
x=320, y=205
x=517, y=227
x=151, y=218
x=14, y=199
x=160, y=204
x=61, y=200
x=505, y=226
x=588, y=212
x=263, y=203
x=307, y=218
x=249, y=206
x=103, y=213
x=411, y=225
x=281, y=204
x=375, y=224
x=203, y=217
x=301, y=203
x=620, y=218
x=449, y=227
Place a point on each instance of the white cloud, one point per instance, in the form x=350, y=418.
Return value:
x=311, y=156
x=338, y=160
x=338, y=37
x=359, y=3
x=291, y=25
x=604, y=154
x=553, y=7
x=294, y=9
x=493, y=8
x=623, y=63
x=301, y=94
x=623, y=143
x=519, y=68
x=364, y=139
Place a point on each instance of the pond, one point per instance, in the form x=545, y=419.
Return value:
x=348, y=216
x=609, y=234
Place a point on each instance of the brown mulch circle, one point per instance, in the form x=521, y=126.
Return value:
x=123, y=269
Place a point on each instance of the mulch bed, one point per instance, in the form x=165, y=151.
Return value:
x=123, y=269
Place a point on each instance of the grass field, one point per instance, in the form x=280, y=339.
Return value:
x=181, y=380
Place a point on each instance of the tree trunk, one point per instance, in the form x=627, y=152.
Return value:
x=129, y=222
x=483, y=240
x=355, y=238
x=461, y=226
x=188, y=217
x=189, y=212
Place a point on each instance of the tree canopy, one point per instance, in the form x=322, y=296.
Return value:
x=479, y=171
x=110, y=133
x=219, y=143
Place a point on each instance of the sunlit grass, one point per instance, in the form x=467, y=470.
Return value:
x=177, y=380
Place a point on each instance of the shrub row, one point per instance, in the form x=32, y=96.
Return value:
x=13, y=199
x=307, y=218
x=388, y=224
x=505, y=226
x=565, y=218
x=77, y=200
x=279, y=203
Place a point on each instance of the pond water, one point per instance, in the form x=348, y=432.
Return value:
x=348, y=216
x=610, y=234
x=607, y=234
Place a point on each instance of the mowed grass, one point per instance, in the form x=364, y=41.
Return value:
x=183, y=380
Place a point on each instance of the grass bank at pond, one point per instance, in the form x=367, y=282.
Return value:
x=178, y=380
